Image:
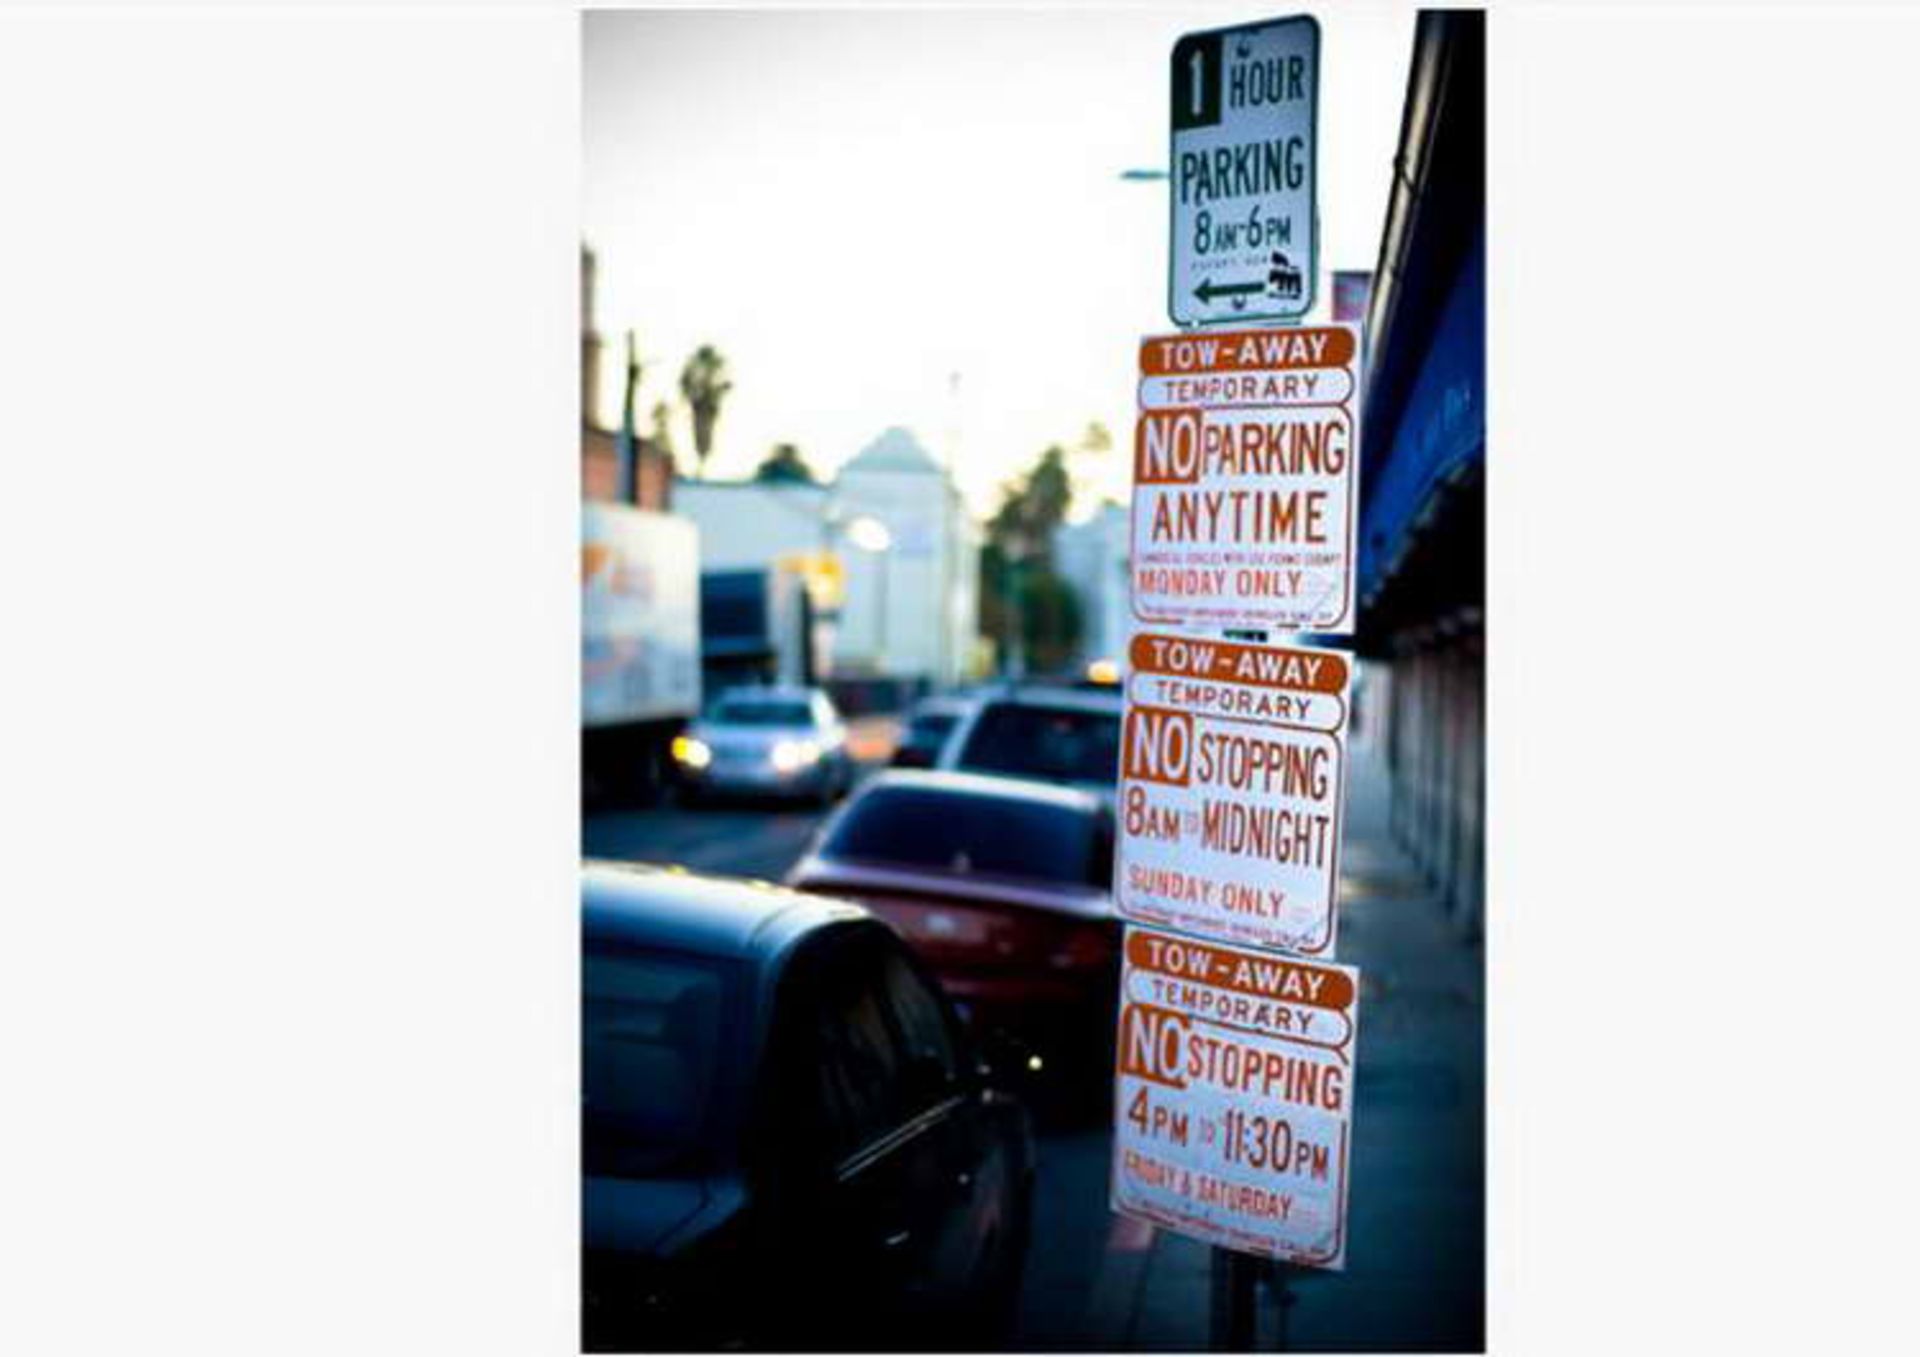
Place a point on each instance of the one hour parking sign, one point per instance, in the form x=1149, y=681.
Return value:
x=1243, y=190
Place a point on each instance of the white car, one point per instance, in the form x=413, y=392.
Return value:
x=768, y=742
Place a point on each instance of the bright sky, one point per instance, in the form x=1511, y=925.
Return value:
x=853, y=206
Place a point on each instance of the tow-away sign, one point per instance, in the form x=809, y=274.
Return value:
x=1245, y=475
x=1232, y=790
x=1244, y=150
x=1234, y=1094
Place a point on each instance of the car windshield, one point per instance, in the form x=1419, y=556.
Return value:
x=762, y=713
x=1046, y=742
x=968, y=832
x=654, y=1028
x=929, y=730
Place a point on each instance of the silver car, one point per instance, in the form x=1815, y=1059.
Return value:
x=767, y=742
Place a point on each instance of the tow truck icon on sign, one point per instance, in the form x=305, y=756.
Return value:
x=1283, y=279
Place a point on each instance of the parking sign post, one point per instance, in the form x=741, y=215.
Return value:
x=1236, y=1040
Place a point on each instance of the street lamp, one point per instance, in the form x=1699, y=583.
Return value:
x=869, y=534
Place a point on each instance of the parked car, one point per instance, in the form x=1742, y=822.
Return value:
x=1054, y=734
x=767, y=741
x=927, y=729
x=1003, y=887
x=788, y=1140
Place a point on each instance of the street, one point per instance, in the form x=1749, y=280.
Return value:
x=734, y=840
x=1098, y=1281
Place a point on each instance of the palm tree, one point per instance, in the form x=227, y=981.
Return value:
x=704, y=382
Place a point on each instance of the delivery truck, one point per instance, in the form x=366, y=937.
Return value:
x=640, y=646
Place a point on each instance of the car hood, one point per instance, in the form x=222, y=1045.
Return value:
x=747, y=738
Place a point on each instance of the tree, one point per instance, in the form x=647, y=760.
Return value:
x=1022, y=601
x=1089, y=459
x=1030, y=509
x=661, y=437
x=785, y=464
x=705, y=382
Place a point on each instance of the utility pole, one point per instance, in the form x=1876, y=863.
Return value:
x=629, y=456
x=950, y=511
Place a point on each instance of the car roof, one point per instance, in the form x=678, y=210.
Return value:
x=754, y=693
x=1105, y=701
x=983, y=784
x=673, y=908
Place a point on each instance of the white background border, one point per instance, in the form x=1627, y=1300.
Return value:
x=286, y=979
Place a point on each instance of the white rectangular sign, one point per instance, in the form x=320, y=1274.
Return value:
x=1232, y=790
x=1245, y=479
x=1242, y=170
x=1233, y=1096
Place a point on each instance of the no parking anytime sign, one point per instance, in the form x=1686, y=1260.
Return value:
x=1233, y=1096
x=1232, y=789
x=1245, y=476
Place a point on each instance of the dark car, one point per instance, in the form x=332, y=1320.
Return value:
x=927, y=729
x=1050, y=733
x=787, y=1139
x=1004, y=888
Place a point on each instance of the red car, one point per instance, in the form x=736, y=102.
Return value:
x=1003, y=888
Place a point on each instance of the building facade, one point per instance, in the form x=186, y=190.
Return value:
x=890, y=551
x=1422, y=585
x=1091, y=557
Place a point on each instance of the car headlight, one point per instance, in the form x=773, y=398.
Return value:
x=790, y=756
x=693, y=753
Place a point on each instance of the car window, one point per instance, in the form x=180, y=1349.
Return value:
x=655, y=1026
x=1044, y=742
x=763, y=714
x=929, y=730
x=932, y=1060
x=966, y=832
x=860, y=1060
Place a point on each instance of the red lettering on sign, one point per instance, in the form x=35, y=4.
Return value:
x=1166, y=447
x=1158, y=746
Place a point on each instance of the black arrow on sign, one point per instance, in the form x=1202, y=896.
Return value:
x=1209, y=289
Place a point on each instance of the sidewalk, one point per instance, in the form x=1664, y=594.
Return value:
x=1415, y=1261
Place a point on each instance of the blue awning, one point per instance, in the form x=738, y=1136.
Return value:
x=1440, y=433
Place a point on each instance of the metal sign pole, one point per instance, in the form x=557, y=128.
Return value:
x=1234, y=1277
x=1283, y=1299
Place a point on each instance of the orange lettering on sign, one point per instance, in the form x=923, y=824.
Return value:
x=1305, y=346
x=1150, y=1044
x=1323, y=671
x=1158, y=746
x=1273, y=977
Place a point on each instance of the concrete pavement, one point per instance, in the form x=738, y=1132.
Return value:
x=1415, y=1278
